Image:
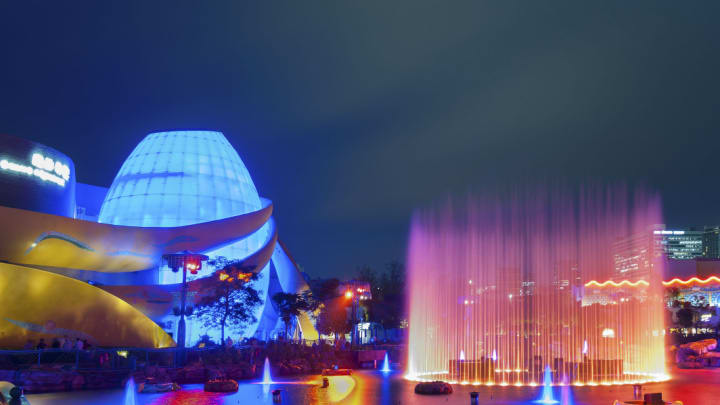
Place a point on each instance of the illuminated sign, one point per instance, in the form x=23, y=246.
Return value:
x=44, y=168
x=669, y=232
x=50, y=165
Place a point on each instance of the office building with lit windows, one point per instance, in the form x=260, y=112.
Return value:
x=691, y=243
x=681, y=244
x=86, y=261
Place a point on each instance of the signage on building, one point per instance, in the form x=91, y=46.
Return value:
x=41, y=167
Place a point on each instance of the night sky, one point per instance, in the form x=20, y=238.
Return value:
x=349, y=115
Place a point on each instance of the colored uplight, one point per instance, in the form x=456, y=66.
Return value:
x=711, y=279
x=223, y=276
x=348, y=294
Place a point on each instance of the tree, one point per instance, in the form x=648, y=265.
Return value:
x=291, y=305
x=227, y=298
x=367, y=273
x=324, y=289
x=387, y=305
x=685, y=316
x=333, y=319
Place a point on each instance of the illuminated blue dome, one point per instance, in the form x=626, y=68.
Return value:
x=180, y=178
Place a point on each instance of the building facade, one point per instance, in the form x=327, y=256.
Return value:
x=177, y=191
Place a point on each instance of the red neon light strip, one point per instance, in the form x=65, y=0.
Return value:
x=692, y=280
x=614, y=284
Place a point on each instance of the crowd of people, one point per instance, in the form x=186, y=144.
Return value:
x=64, y=343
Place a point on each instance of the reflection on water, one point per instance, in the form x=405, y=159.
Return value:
x=375, y=387
x=340, y=387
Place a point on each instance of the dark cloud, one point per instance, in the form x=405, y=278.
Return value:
x=350, y=115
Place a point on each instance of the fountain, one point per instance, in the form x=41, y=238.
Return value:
x=130, y=392
x=501, y=286
x=266, y=373
x=386, y=364
x=547, y=393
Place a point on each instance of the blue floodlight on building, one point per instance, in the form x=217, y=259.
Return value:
x=181, y=178
x=178, y=178
x=177, y=191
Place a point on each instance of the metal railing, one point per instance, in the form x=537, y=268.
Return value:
x=134, y=358
x=96, y=358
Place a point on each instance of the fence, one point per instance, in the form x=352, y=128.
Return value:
x=134, y=358
x=98, y=358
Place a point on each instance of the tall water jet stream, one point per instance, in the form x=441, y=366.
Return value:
x=501, y=286
x=267, y=379
x=386, y=364
x=130, y=392
x=547, y=393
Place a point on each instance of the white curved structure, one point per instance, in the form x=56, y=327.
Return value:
x=180, y=178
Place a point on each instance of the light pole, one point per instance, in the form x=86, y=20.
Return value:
x=184, y=260
x=350, y=294
x=356, y=291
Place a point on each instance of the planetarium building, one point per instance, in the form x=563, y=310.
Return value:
x=87, y=261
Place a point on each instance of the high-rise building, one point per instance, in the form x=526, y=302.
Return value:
x=711, y=243
x=635, y=255
x=691, y=243
x=681, y=244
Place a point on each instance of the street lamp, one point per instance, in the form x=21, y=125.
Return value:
x=356, y=291
x=184, y=260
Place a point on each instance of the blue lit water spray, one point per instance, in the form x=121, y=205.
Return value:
x=547, y=393
x=386, y=364
x=267, y=379
x=266, y=372
x=130, y=392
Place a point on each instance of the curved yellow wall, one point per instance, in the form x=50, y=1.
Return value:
x=37, y=239
x=36, y=303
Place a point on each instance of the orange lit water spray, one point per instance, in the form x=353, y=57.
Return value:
x=501, y=287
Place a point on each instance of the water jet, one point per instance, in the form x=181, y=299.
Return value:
x=386, y=364
x=499, y=287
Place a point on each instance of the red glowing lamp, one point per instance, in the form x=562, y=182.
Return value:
x=190, y=261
